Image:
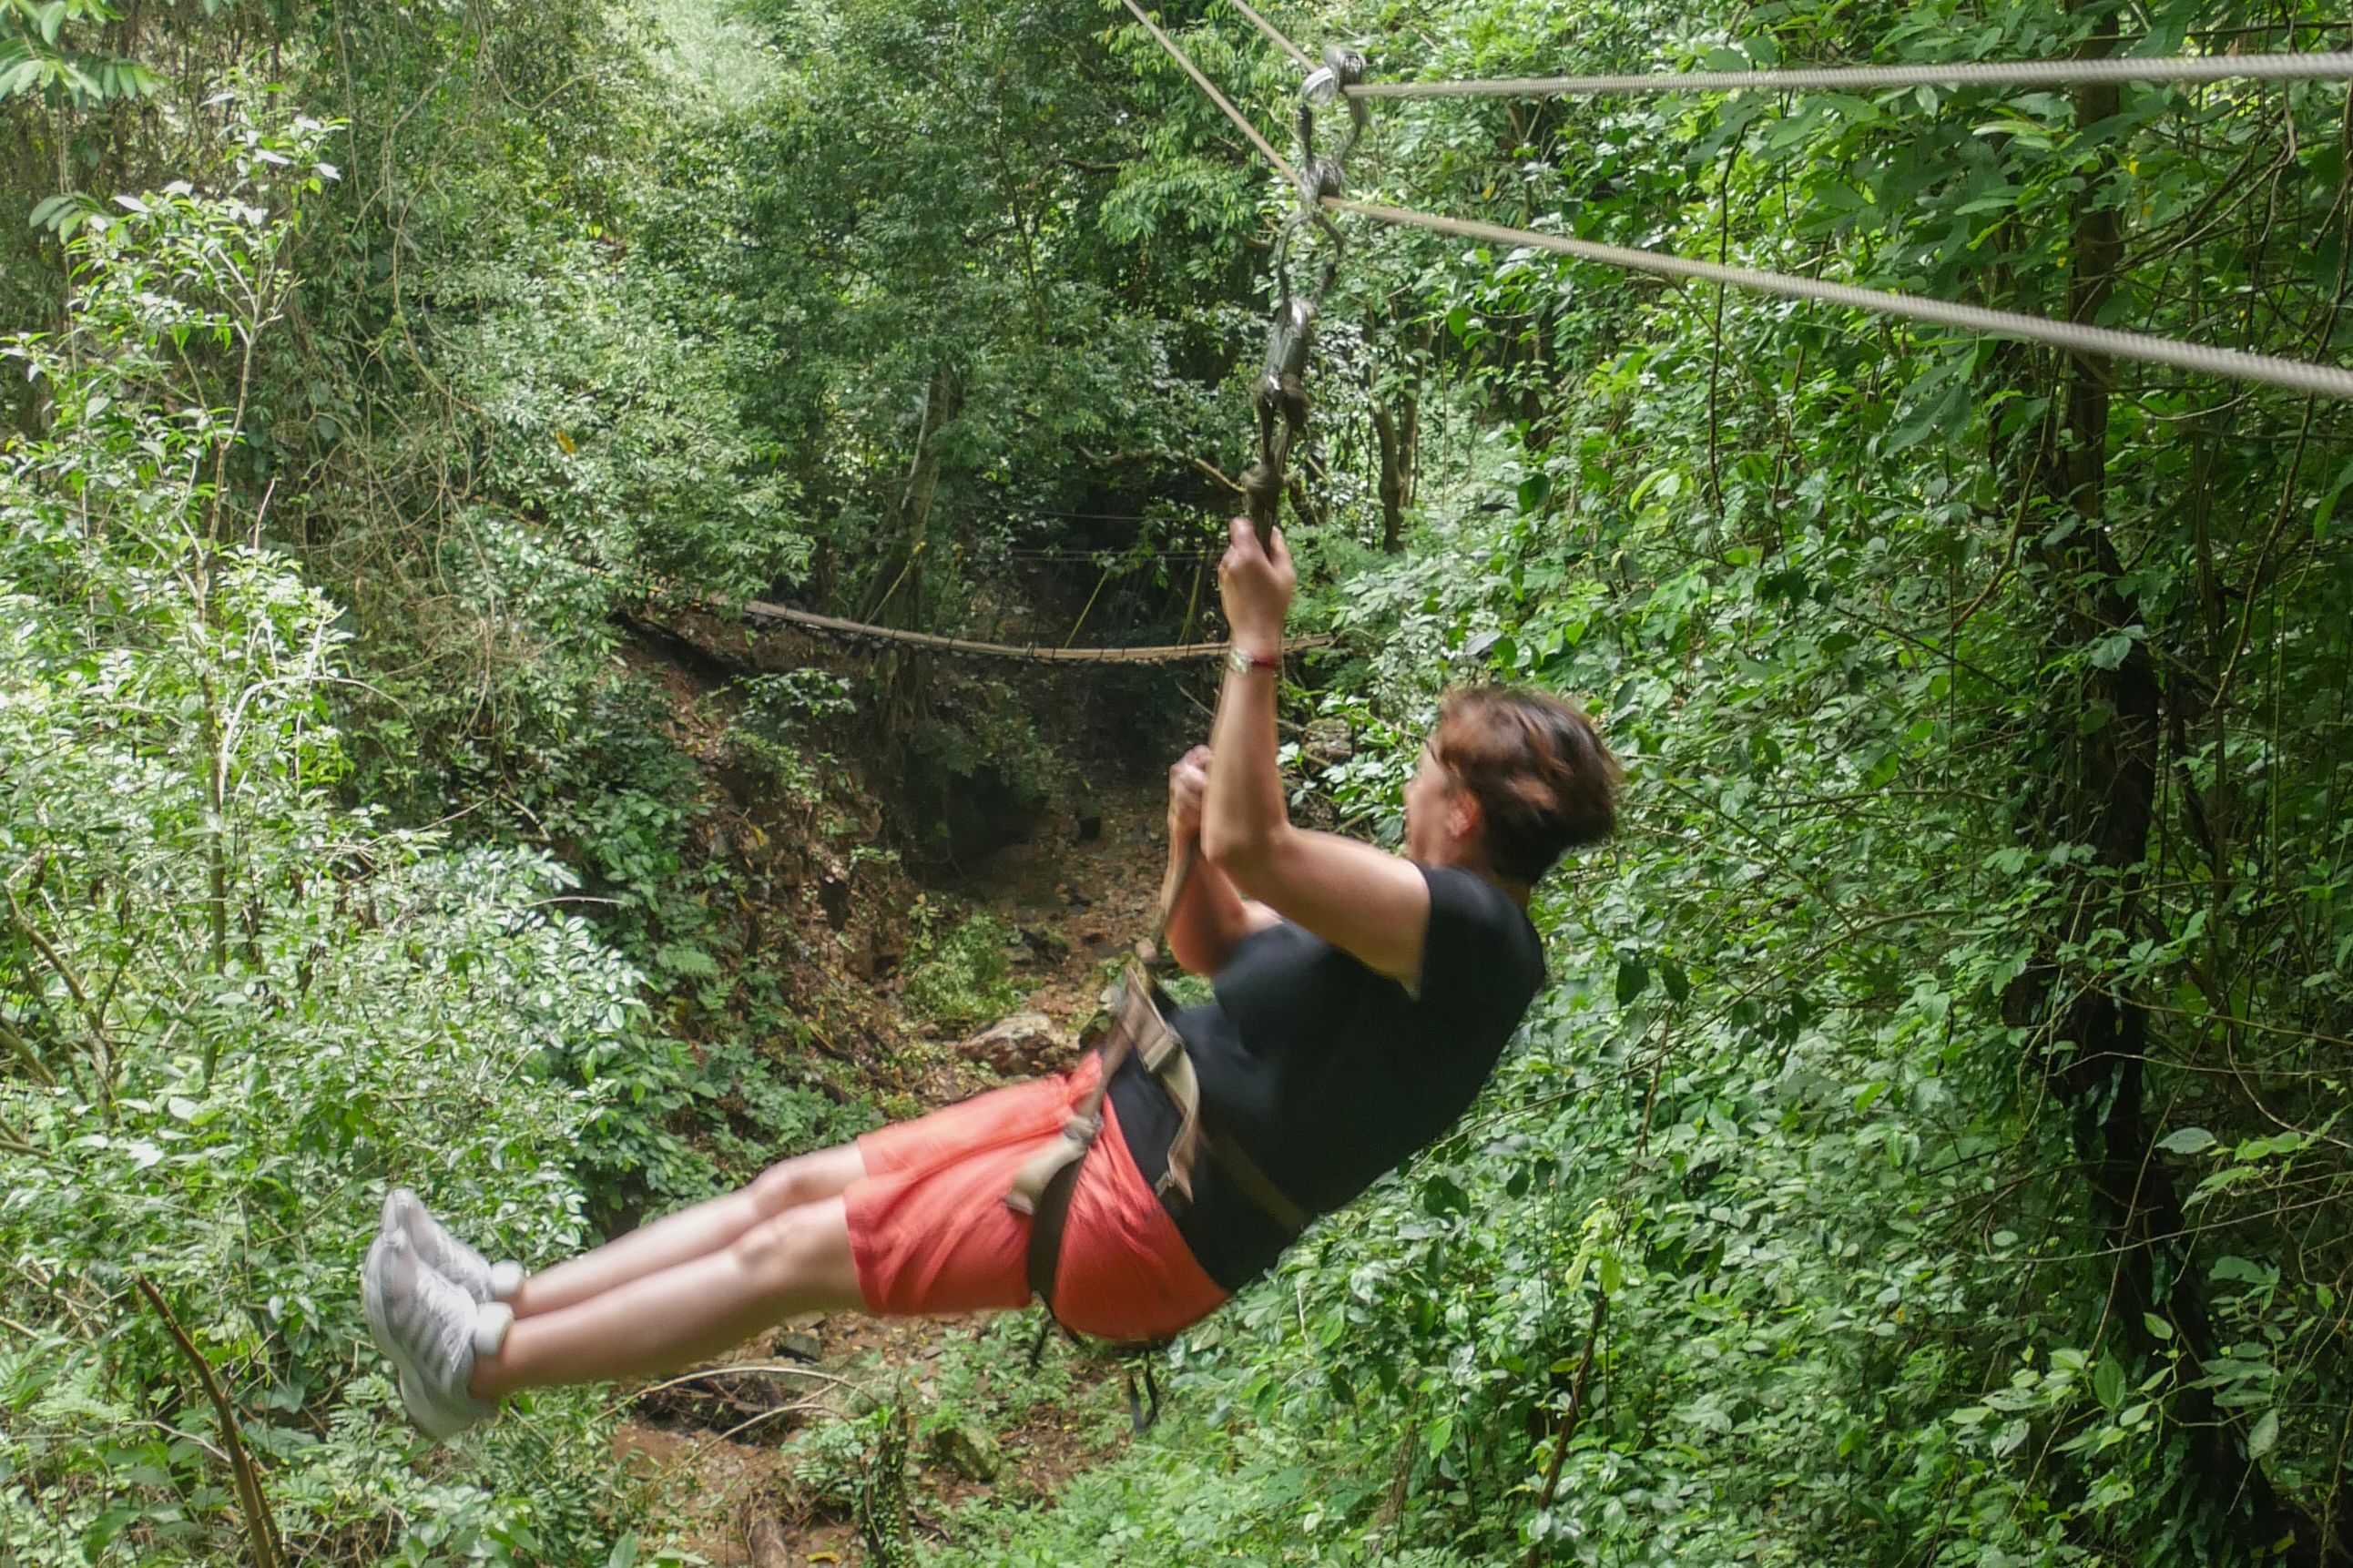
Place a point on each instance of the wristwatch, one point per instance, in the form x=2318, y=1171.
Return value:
x=1242, y=662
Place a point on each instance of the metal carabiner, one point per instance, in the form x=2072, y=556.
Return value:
x=1279, y=395
x=1321, y=177
x=1327, y=83
x=1281, y=384
x=1279, y=399
x=1342, y=69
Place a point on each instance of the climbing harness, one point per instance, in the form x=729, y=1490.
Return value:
x=2075, y=337
x=1139, y=1026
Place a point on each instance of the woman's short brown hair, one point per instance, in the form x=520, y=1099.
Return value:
x=1543, y=779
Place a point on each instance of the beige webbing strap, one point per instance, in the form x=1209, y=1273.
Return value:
x=1254, y=1184
x=1174, y=1068
x=1084, y=1123
x=1029, y=1182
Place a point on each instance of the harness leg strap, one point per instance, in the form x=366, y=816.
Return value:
x=1030, y=1181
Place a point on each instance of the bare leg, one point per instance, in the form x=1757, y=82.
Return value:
x=698, y=1232
x=798, y=1261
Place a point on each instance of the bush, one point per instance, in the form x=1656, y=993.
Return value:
x=232, y=1010
x=958, y=977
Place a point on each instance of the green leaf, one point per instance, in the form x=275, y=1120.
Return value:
x=2265, y=1437
x=2110, y=651
x=2108, y=1383
x=2186, y=1140
x=1633, y=979
x=2326, y=507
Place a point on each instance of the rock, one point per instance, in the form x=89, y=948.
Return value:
x=1326, y=742
x=833, y=898
x=800, y=1345
x=1045, y=946
x=763, y=1537
x=966, y=1448
x=1026, y=1042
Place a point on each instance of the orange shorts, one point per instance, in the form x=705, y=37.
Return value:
x=931, y=1232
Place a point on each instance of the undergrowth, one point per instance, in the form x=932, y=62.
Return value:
x=959, y=974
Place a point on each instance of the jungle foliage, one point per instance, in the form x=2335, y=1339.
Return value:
x=1931, y=1149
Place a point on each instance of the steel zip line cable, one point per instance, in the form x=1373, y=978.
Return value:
x=2067, y=72
x=2179, y=68
x=1219, y=99
x=2325, y=381
x=2076, y=337
x=1275, y=34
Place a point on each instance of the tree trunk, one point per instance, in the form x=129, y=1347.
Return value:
x=1397, y=428
x=2098, y=755
x=1393, y=429
x=900, y=597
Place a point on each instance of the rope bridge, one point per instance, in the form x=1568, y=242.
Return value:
x=859, y=633
x=1279, y=399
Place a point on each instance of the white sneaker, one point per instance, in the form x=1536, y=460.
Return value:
x=433, y=1330
x=444, y=1254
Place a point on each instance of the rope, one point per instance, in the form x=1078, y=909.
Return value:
x=1237, y=116
x=1297, y=54
x=2325, y=381
x=758, y=614
x=1834, y=78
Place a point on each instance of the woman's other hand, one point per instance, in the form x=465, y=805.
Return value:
x=1256, y=585
x=1189, y=781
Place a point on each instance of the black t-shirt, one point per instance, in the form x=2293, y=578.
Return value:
x=1328, y=1074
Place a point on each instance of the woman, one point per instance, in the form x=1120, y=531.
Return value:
x=1363, y=998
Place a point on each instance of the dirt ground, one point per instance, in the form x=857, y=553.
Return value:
x=1080, y=893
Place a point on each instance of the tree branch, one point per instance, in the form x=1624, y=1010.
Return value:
x=260, y=1528
x=1161, y=455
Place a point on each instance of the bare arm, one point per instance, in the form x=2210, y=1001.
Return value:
x=1364, y=901
x=1210, y=917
